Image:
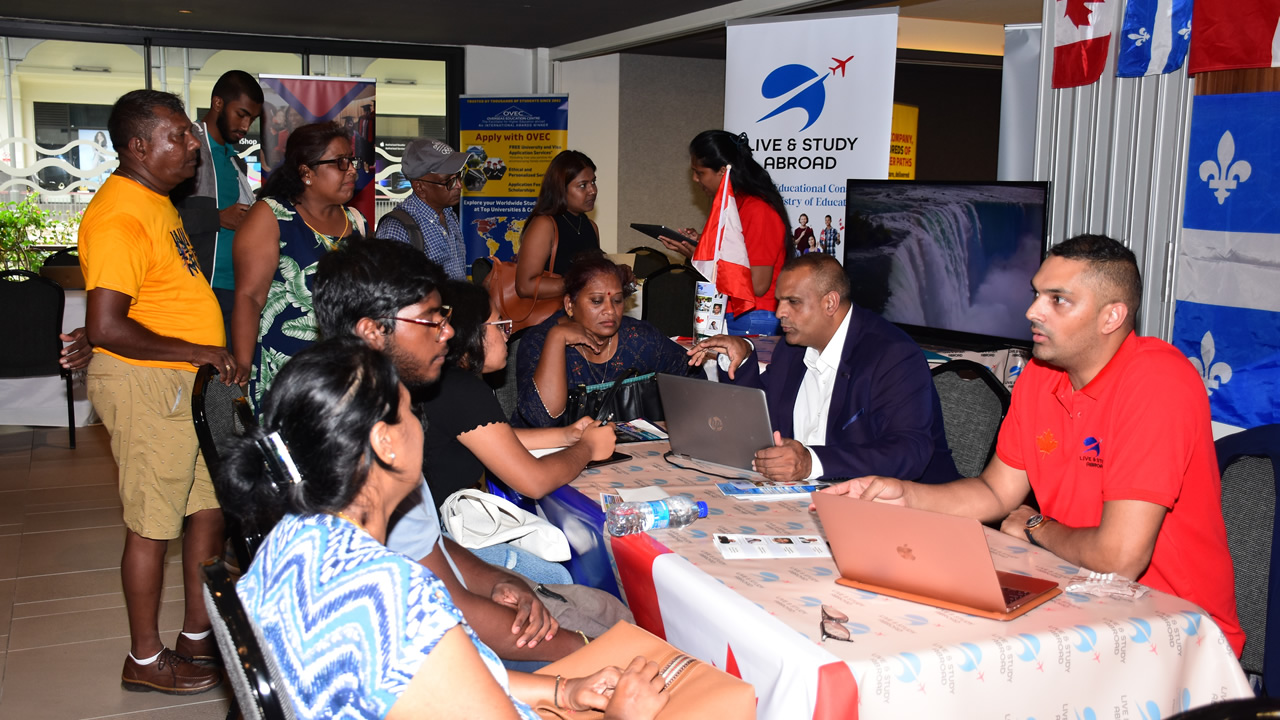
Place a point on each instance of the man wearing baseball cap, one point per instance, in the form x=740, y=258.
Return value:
x=426, y=219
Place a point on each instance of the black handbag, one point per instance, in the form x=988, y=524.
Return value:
x=628, y=397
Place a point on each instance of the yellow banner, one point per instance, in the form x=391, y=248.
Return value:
x=902, y=142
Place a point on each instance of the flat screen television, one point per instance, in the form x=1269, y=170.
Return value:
x=949, y=262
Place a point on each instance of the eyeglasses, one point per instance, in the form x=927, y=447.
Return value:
x=344, y=163
x=832, y=625
x=450, y=182
x=504, y=325
x=445, y=311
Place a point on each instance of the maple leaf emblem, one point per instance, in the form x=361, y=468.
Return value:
x=1046, y=442
x=1079, y=12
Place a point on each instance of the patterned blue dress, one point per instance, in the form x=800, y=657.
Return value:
x=288, y=325
x=349, y=621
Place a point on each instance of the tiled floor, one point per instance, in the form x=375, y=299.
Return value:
x=63, y=630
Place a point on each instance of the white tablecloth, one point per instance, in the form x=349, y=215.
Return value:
x=43, y=400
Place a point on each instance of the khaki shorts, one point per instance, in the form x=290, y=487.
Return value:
x=147, y=410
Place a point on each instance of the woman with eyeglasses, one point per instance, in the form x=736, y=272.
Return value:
x=590, y=342
x=358, y=631
x=299, y=216
x=559, y=218
x=467, y=433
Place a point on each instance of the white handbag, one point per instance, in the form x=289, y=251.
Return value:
x=479, y=519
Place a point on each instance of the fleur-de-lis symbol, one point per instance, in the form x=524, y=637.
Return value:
x=1140, y=37
x=1214, y=374
x=1225, y=173
x=1185, y=32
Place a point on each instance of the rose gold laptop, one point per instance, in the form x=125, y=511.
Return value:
x=924, y=557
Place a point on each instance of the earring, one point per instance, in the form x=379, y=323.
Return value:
x=307, y=182
x=392, y=456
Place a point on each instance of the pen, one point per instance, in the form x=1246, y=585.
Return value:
x=607, y=419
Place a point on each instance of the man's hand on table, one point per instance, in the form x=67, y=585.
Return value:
x=786, y=461
x=735, y=347
x=1016, y=523
x=872, y=488
x=533, y=621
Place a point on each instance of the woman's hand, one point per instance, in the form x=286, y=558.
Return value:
x=684, y=245
x=591, y=692
x=573, y=433
x=574, y=335
x=600, y=439
x=638, y=694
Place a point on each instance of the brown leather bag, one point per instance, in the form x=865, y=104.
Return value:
x=524, y=312
x=696, y=689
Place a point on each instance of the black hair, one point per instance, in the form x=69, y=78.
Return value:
x=1113, y=263
x=133, y=115
x=828, y=274
x=716, y=148
x=553, y=196
x=235, y=84
x=323, y=403
x=373, y=278
x=471, y=311
x=582, y=271
x=305, y=146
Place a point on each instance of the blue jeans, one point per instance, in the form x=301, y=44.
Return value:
x=755, y=322
x=523, y=562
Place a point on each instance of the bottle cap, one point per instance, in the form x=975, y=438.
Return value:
x=702, y=509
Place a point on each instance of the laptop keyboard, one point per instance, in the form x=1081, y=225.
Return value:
x=1012, y=596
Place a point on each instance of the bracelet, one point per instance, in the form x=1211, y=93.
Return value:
x=585, y=640
x=555, y=694
x=544, y=402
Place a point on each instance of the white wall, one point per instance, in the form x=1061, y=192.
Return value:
x=498, y=71
x=593, y=89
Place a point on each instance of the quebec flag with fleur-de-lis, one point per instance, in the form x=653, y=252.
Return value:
x=1227, y=319
x=1154, y=38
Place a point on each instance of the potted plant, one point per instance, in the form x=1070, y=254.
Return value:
x=21, y=223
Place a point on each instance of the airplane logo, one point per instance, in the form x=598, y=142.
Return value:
x=839, y=65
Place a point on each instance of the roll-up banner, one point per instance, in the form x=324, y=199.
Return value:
x=512, y=140
x=290, y=101
x=815, y=97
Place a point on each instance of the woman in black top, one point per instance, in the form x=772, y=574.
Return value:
x=466, y=430
x=568, y=193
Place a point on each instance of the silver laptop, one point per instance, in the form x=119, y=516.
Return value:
x=715, y=423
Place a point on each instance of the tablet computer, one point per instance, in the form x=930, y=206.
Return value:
x=660, y=231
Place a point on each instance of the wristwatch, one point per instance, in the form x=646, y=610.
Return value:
x=1034, y=522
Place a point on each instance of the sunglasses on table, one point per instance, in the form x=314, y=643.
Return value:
x=445, y=313
x=832, y=625
x=343, y=163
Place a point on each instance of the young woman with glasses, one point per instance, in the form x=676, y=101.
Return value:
x=467, y=433
x=559, y=217
x=300, y=215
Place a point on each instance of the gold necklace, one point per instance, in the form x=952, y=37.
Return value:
x=351, y=520
x=576, y=228
x=325, y=238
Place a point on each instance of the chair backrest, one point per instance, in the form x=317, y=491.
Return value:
x=63, y=267
x=30, y=324
x=974, y=403
x=220, y=411
x=63, y=258
x=251, y=668
x=648, y=261
x=1248, y=461
x=669, y=300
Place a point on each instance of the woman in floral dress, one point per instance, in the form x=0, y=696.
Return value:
x=300, y=215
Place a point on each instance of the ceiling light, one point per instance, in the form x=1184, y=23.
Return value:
x=184, y=12
x=91, y=68
x=400, y=81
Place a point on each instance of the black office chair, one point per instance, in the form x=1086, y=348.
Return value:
x=30, y=326
x=480, y=268
x=1248, y=461
x=648, y=261
x=974, y=403
x=251, y=668
x=669, y=300
x=1246, y=709
x=220, y=411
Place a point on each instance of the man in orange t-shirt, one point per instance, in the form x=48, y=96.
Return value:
x=1112, y=432
x=153, y=321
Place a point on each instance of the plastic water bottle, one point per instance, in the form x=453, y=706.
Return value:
x=637, y=517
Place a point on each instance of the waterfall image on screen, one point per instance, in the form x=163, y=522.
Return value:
x=947, y=256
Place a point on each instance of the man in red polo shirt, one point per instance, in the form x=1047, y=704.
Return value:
x=1112, y=432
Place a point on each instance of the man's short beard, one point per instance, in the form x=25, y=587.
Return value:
x=224, y=128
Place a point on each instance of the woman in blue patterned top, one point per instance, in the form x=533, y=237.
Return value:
x=357, y=630
x=588, y=343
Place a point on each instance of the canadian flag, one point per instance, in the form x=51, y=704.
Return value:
x=721, y=255
x=1081, y=39
x=1232, y=34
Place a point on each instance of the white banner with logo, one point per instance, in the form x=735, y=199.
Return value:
x=815, y=97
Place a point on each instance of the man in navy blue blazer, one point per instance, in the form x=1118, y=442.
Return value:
x=849, y=393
